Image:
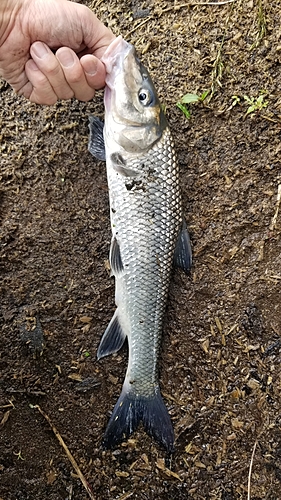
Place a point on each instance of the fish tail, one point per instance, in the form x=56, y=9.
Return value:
x=130, y=410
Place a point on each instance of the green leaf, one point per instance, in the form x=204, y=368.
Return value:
x=236, y=99
x=250, y=100
x=185, y=111
x=189, y=98
x=251, y=109
x=204, y=95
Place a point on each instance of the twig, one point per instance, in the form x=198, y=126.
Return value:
x=69, y=455
x=126, y=495
x=269, y=119
x=274, y=219
x=10, y=405
x=137, y=27
x=194, y=4
x=250, y=471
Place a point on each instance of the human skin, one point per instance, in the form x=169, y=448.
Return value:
x=51, y=49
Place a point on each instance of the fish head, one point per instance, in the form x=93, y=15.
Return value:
x=134, y=118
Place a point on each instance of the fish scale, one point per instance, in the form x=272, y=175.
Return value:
x=148, y=236
x=143, y=287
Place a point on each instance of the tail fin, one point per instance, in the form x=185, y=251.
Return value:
x=130, y=410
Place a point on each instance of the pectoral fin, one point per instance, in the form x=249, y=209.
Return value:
x=183, y=253
x=96, y=140
x=112, y=339
x=119, y=164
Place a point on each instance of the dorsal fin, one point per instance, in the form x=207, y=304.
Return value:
x=96, y=140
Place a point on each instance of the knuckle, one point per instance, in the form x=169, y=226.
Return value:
x=39, y=80
x=52, y=71
x=75, y=79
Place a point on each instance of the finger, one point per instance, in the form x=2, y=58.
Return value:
x=94, y=71
x=74, y=74
x=48, y=64
x=38, y=89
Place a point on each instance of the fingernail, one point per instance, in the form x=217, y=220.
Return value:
x=90, y=67
x=40, y=49
x=66, y=58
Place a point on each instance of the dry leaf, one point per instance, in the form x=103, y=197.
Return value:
x=161, y=465
x=253, y=384
x=236, y=424
x=75, y=376
x=120, y=473
x=200, y=465
x=5, y=418
x=205, y=345
x=145, y=458
x=112, y=379
x=85, y=319
x=86, y=328
x=235, y=394
x=51, y=477
x=231, y=437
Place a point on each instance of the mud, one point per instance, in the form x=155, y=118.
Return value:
x=220, y=362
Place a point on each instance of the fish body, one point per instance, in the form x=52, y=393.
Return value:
x=148, y=235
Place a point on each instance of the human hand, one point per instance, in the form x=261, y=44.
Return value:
x=51, y=50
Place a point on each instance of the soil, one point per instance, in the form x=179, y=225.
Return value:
x=220, y=362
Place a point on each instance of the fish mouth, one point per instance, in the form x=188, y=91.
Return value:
x=113, y=59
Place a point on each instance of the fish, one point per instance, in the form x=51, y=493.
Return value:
x=149, y=236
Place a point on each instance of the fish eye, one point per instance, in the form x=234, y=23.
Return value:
x=145, y=97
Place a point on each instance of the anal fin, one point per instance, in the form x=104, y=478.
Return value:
x=115, y=259
x=112, y=339
x=183, y=252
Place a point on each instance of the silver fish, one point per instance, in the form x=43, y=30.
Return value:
x=148, y=236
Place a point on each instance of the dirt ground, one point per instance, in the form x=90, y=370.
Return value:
x=220, y=362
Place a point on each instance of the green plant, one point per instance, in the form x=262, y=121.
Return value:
x=261, y=25
x=255, y=103
x=190, y=99
x=217, y=70
x=19, y=455
x=236, y=100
